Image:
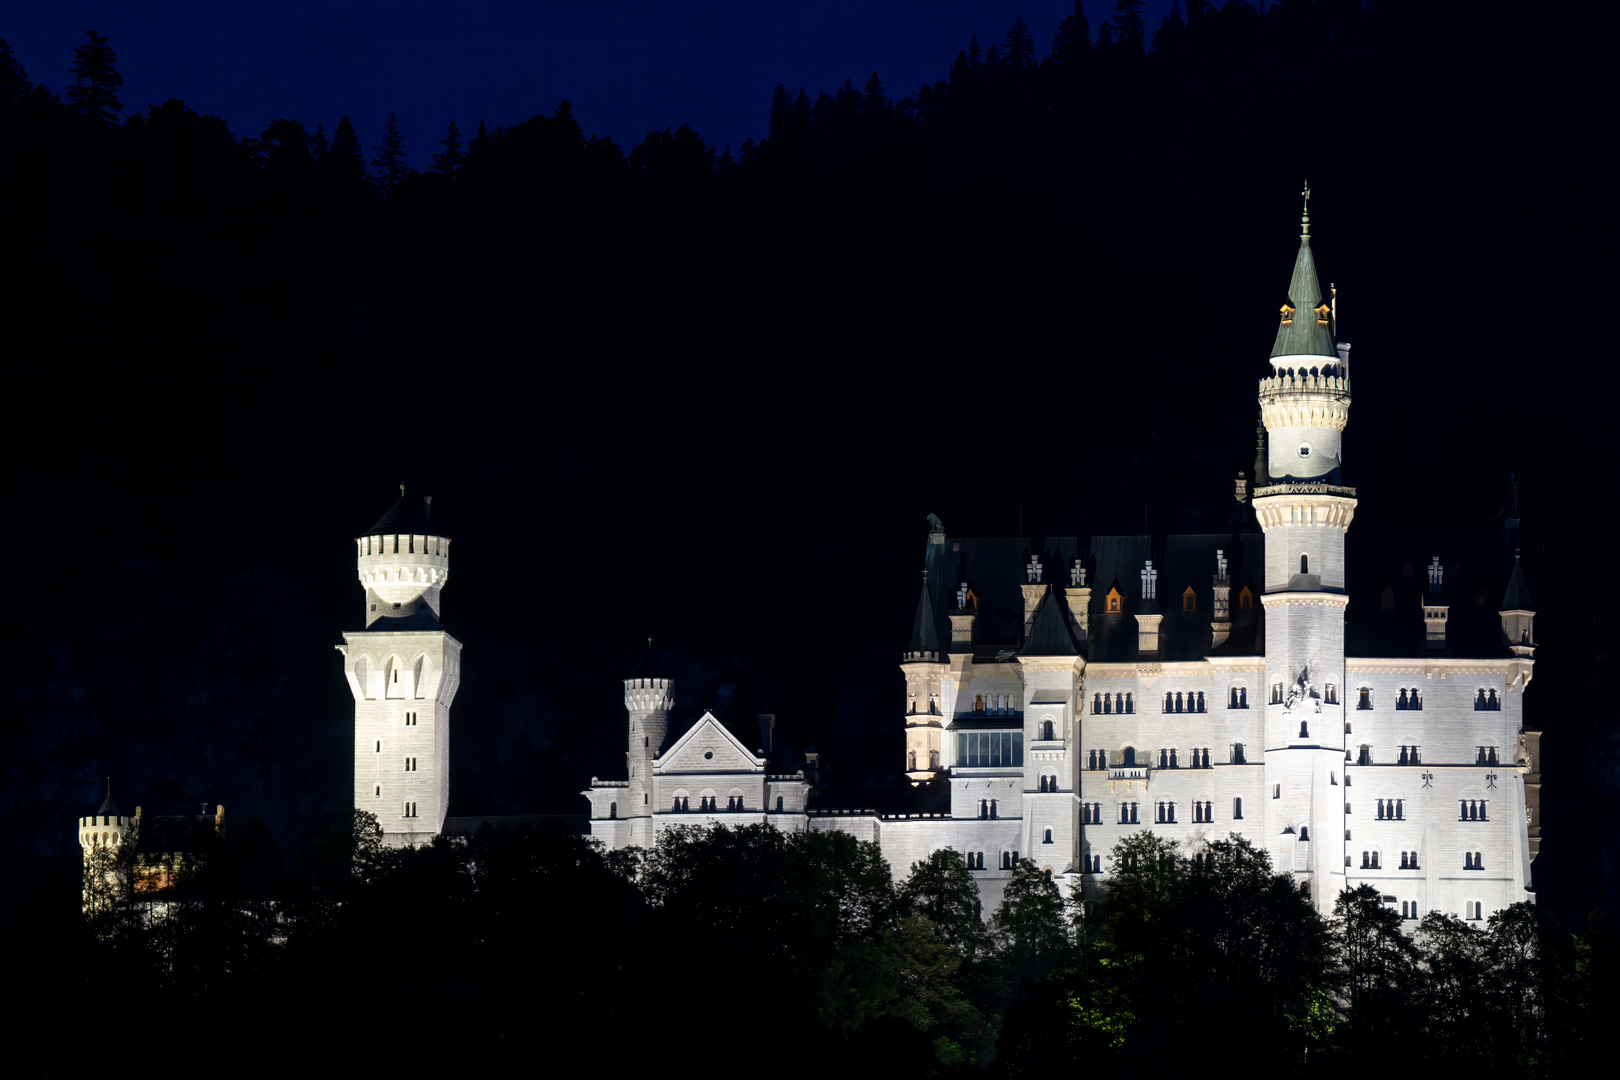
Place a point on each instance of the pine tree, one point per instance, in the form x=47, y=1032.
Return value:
x=390, y=160
x=1130, y=27
x=1072, y=42
x=873, y=103
x=344, y=159
x=449, y=159
x=974, y=53
x=1105, y=39
x=781, y=103
x=320, y=142
x=14, y=84
x=96, y=81
x=1020, y=46
x=1169, y=33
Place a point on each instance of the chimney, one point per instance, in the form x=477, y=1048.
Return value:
x=1435, y=608
x=1079, y=595
x=1220, y=623
x=767, y=728
x=1034, y=588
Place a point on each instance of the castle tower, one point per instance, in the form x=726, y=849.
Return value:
x=1305, y=512
x=106, y=828
x=647, y=700
x=924, y=667
x=403, y=670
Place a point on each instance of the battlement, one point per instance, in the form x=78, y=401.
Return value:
x=1298, y=398
x=399, y=567
x=648, y=695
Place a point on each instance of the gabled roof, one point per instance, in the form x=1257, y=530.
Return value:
x=1300, y=333
x=1049, y=633
x=411, y=514
x=1517, y=597
x=710, y=721
x=925, y=630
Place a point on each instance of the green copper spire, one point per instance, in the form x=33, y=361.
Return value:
x=1305, y=330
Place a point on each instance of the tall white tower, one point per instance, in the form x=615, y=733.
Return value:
x=647, y=700
x=1305, y=511
x=403, y=670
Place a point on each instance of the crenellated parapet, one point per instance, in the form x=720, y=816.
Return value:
x=1326, y=505
x=644, y=695
x=1298, y=399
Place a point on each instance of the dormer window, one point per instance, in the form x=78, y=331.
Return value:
x=1246, y=599
x=1189, y=600
x=1114, y=600
x=1287, y=312
x=1322, y=312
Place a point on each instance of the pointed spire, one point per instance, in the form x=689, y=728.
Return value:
x=925, y=631
x=1517, y=597
x=1305, y=329
x=1049, y=633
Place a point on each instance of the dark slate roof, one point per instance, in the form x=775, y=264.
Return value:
x=1517, y=597
x=925, y=628
x=1183, y=561
x=178, y=832
x=107, y=806
x=1049, y=633
x=993, y=568
x=1388, y=584
x=1303, y=335
x=411, y=514
x=645, y=667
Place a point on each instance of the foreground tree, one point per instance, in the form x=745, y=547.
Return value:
x=96, y=80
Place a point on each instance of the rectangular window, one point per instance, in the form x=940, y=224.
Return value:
x=990, y=748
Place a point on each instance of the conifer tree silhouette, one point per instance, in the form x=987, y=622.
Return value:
x=1020, y=46
x=1072, y=42
x=345, y=159
x=390, y=159
x=1129, y=28
x=14, y=85
x=96, y=80
x=449, y=159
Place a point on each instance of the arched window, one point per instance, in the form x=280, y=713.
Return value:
x=779, y=804
x=1364, y=697
x=1047, y=731
x=1129, y=756
x=1130, y=702
x=1169, y=702
x=1200, y=701
x=1173, y=764
x=613, y=810
x=1179, y=702
x=1096, y=704
x=978, y=703
x=1245, y=599
x=933, y=759
x=1006, y=860
x=1304, y=563
x=911, y=761
x=1114, y=600
x=1237, y=808
x=1048, y=839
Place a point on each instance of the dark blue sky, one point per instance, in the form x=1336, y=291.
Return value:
x=627, y=65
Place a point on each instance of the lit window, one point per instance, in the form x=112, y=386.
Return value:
x=1114, y=600
x=1189, y=600
x=1245, y=599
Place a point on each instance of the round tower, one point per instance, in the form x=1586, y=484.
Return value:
x=106, y=828
x=404, y=560
x=647, y=700
x=1305, y=513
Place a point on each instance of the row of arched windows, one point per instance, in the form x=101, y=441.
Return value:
x=1486, y=756
x=1049, y=783
x=1203, y=812
x=911, y=760
x=1409, y=861
x=1390, y=809
x=1473, y=860
x=1487, y=701
x=1165, y=813
x=994, y=704
x=1472, y=810
x=1104, y=704
x=1127, y=813
x=1409, y=699
x=1175, y=703
x=1091, y=813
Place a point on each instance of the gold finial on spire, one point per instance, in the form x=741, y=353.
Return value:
x=1305, y=214
x=402, y=491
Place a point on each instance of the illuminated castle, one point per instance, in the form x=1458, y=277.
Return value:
x=1069, y=692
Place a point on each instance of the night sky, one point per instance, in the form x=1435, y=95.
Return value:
x=716, y=410
x=626, y=66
